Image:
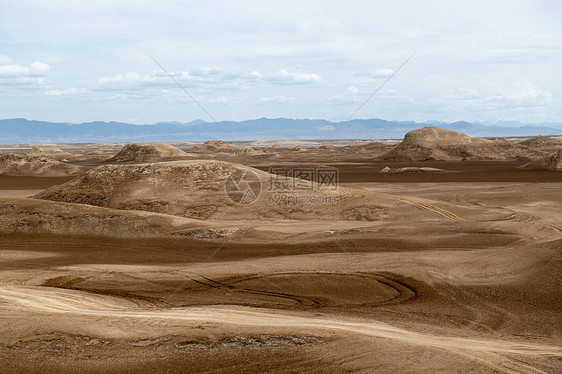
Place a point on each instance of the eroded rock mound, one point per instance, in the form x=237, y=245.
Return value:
x=550, y=162
x=52, y=153
x=220, y=146
x=146, y=152
x=543, y=143
x=173, y=187
x=301, y=148
x=26, y=165
x=432, y=143
x=430, y=135
x=373, y=148
x=97, y=154
x=37, y=216
x=205, y=189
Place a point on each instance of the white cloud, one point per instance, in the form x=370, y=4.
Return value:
x=17, y=75
x=131, y=76
x=5, y=60
x=253, y=49
x=383, y=73
x=223, y=100
x=210, y=76
x=279, y=99
x=66, y=92
x=466, y=95
x=350, y=96
x=256, y=74
x=13, y=70
x=38, y=67
x=34, y=69
x=305, y=77
x=206, y=71
x=523, y=94
x=526, y=93
x=201, y=80
x=285, y=77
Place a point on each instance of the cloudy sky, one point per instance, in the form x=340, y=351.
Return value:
x=76, y=61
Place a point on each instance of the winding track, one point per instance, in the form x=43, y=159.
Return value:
x=73, y=302
x=423, y=204
x=403, y=292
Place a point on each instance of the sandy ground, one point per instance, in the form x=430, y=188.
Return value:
x=18, y=193
x=465, y=279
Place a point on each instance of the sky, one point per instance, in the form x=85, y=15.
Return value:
x=480, y=61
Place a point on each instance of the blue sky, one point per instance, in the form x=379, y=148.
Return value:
x=81, y=61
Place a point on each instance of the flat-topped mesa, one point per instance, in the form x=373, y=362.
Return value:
x=146, y=152
x=433, y=143
x=430, y=135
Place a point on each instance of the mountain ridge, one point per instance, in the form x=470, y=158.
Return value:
x=21, y=130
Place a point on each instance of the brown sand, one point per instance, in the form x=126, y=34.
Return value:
x=461, y=273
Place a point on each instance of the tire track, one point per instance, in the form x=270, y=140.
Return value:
x=72, y=302
x=492, y=352
x=301, y=300
x=423, y=205
x=404, y=292
x=439, y=211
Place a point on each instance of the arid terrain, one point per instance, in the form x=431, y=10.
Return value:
x=440, y=253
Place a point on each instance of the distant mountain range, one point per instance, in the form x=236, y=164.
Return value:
x=21, y=131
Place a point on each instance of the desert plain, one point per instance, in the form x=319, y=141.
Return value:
x=439, y=253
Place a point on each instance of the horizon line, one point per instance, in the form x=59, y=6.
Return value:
x=482, y=123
